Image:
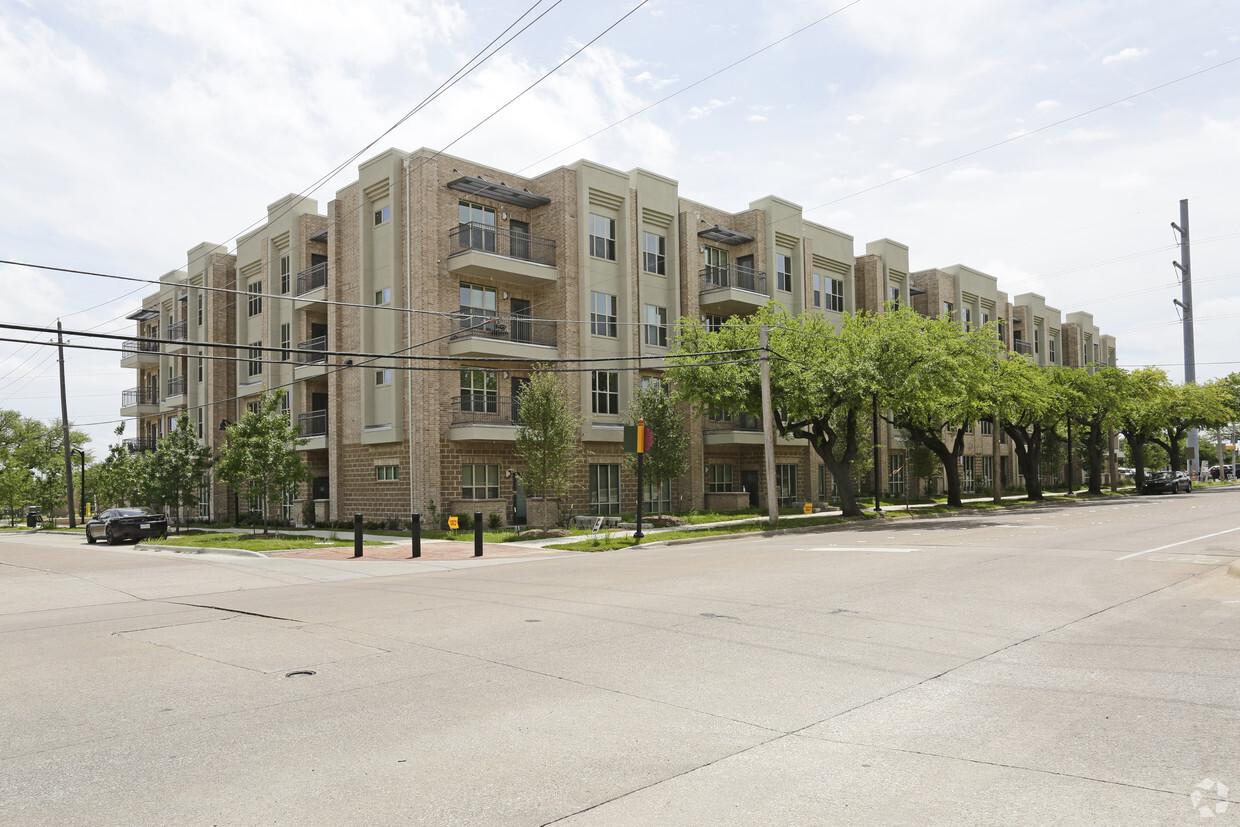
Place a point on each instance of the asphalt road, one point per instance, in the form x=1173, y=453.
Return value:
x=1074, y=664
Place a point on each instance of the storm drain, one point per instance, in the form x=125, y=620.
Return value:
x=300, y=673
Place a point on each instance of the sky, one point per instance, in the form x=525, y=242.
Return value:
x=1048, y=144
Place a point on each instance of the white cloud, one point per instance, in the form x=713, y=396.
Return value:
x=756, y=118
x=696, y=112
x=855, y=118
x=647, y=78
x=1046, y=105
x=1125, y=56
x=1083, y=135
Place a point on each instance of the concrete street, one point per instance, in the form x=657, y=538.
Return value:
x=1071, y=664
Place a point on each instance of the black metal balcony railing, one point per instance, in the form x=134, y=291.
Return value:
x=734, y=422
x=312, y=423
x=139, y=346
x=484, y=408
x=733, y=275
x=312, y=278
x=139, y=396
x=178, y=331
x=176, y=386
x=138, y=444
x=317, y=343
x=507, y=243
x=505, y=326
x=1021, y=346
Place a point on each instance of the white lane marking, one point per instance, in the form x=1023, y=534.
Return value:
x=1173, y=545
x=860, y=548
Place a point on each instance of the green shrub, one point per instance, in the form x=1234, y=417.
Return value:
x=495, y=522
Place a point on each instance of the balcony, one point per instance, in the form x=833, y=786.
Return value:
x=178, y=332
x=139, y=444
x=137, y=353
x=503, y=335
x=483, y=251
x=1021, y=346
x=315, y=362
x=311, y=285
x=312, y=425
x=176, y=387
x=737, y=429
x=140, y=401
x=484, y=416
x=732, y=290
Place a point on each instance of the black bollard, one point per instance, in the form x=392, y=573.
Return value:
x=415, y=526
x=477, y=533
x=357, y=535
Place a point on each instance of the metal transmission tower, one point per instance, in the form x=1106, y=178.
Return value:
x=1190, y=357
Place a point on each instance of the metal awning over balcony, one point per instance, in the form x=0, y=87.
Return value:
x=725, y=236
x=498, y=192
x=144, y=315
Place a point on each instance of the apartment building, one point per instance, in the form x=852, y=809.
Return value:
x=405, y=318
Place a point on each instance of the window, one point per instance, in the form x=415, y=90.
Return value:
x=657, y=497
x=948, y=309
x=477, y=227
x=1097, y=355
x=968, y=319
x=254, y=366
x=713, y=323
x=896, y=473
x=605, y=392
x=387, y=473
x=656, y=325
x=383, y=215
x=204, y=498
x=479, y=391
x=286, y=340
x=201, y=366
x=967, y=484
x=716, y=414
x=255, y=289
x=603, y=314
x=604, y=489
x=837, y=295
x=384, y=296
x=477, y=305
x=602, y=237
x=199, y=417
x=717, y=266
x=654, y=254
x=251, y=407
x=988, y=427
x=480, y=482
x=1050, y=349
x=786, y=484
x=201, y=304
x=985, y=318
x=817, y=290
x=894, y=297
x=783, y=272
x=383, y=376
x=1037, y=341
x=718, y=478
x=988, y=472
x=285, y=273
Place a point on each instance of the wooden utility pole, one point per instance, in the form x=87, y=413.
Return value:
x=768, y=425
x=64, y=424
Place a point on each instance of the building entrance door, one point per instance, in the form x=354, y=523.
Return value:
x=518, y=500
x=749, y=482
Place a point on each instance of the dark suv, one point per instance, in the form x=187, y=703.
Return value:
x=1168, y=482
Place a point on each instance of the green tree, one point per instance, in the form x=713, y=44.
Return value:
x=1029, y=406
x=1094, y=400
x=548, y=436
x=1140, y=415
x=817, y=393
x=1185, y=407
x=112, y=480
x=178, y=465
x=259, y=458
x=668, y=458
x=934, y=379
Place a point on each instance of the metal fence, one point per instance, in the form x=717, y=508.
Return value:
x=509, y=243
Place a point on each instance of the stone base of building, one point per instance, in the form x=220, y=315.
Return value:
x=727, y=500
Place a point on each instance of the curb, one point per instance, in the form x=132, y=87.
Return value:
x=234, y=552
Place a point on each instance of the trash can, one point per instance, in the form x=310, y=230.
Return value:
x=32, y=516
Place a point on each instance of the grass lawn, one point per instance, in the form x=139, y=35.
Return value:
x=254, y=542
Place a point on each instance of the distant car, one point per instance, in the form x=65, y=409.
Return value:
x=1168, y=482
x=117, y=524
x=1229, y=471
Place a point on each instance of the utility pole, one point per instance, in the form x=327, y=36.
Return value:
x=768, y=425
x=64, y=424
x=1190, y=356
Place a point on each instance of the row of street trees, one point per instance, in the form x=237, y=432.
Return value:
x=32, y=462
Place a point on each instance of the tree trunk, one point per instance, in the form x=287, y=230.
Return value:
x=1093, y=447
x=1028, y=445
x=825, y=440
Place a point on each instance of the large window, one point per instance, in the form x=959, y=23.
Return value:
x=719, y=479
x=603, y=314
x=480, y=482
x=657, y=497
x=967, y=484
x=254, y=365
x=286, y=269
x=948, y=309
x=968, y=319
x=200, y=302
x=656, y=325
x=1050, y=349
x=477, y=306
x=786, y=484
x=479, y=391
x=477, y=227
x=783, y=272
x=602, y=237
x=713, y=323
x=717, y=266
x=897, y=473
x=988, y=472
x=604, y=489
x=286, y=340
x=654, y=254
x=835, y=301
x=818, y=279
x=255, y=289
x=605, y=392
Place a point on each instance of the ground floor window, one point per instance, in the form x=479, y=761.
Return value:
x=897, y=473
x=967, y=485
x=822, y=483
x=658, y=497
x=204, y=498
x=988, y=472
x=287, y=507
x=786, y=484
x=718, y=478
x=480, y=482
x=604, y=489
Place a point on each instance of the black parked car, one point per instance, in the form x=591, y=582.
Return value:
x=118, y=524
x=1168, y=482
